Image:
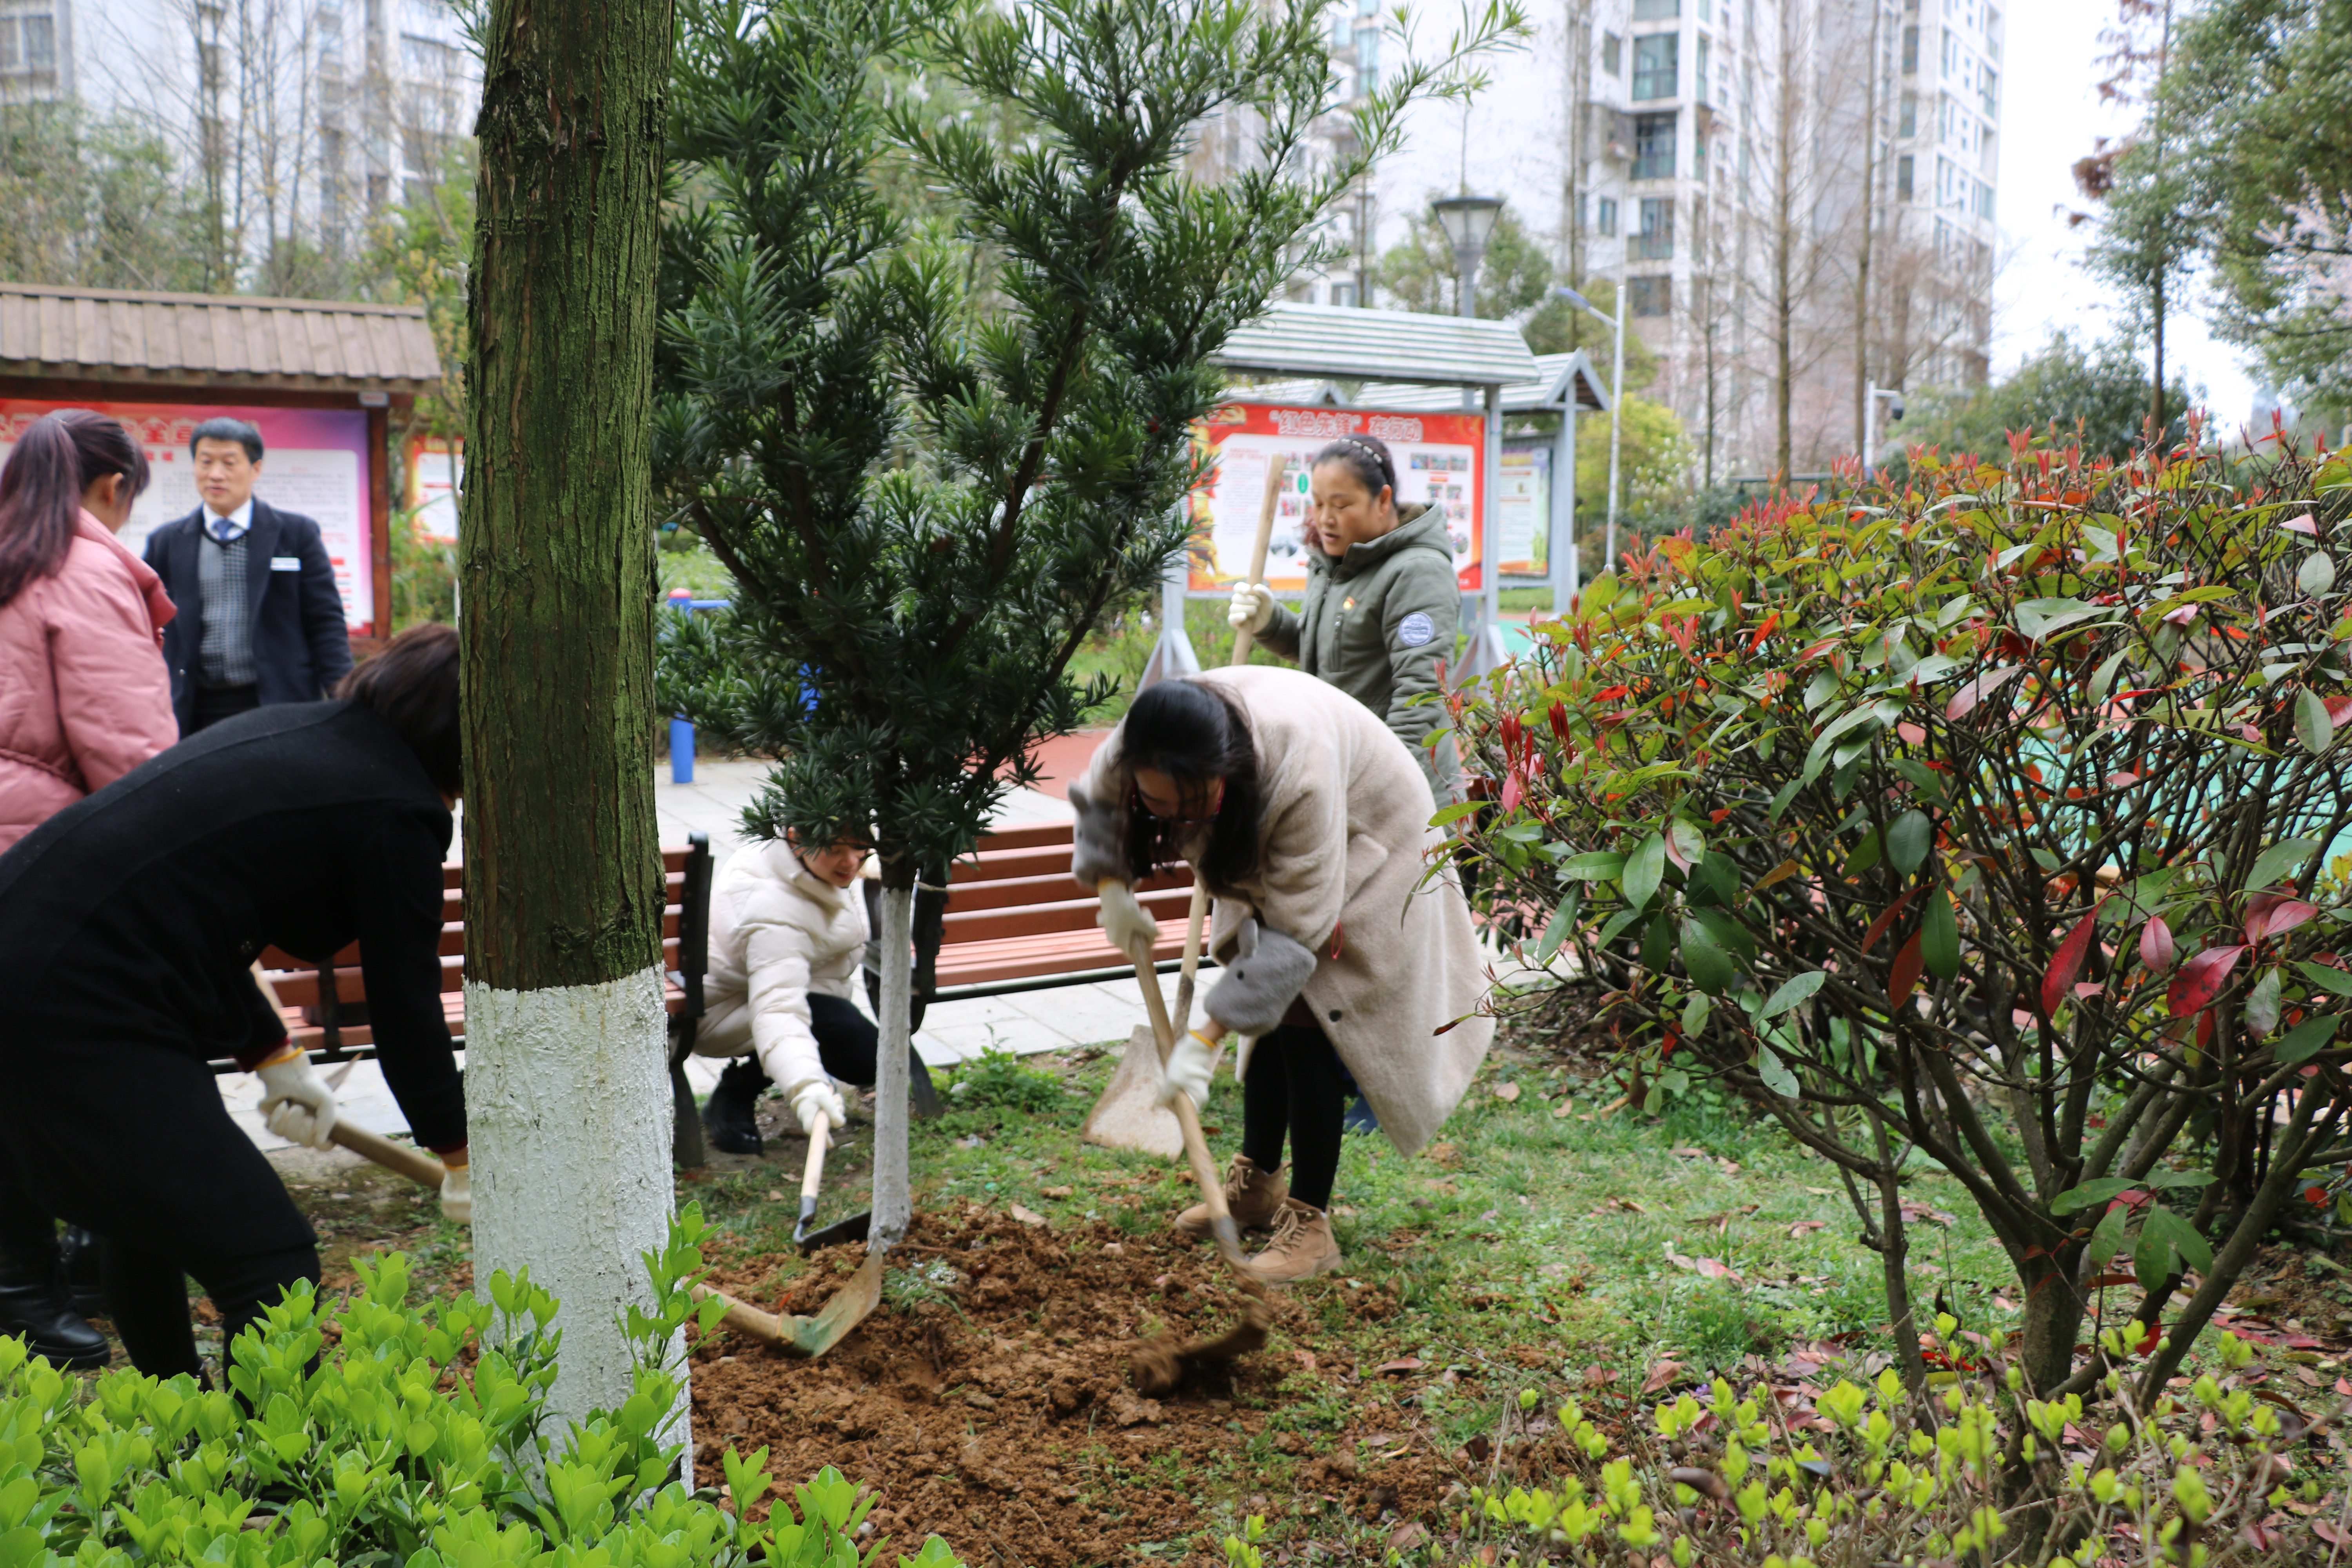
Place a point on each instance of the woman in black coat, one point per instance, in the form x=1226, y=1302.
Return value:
x=128, y=924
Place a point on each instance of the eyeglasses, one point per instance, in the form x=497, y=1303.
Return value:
x=1216, y=804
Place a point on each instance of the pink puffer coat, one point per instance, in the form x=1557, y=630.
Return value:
x=84, y=696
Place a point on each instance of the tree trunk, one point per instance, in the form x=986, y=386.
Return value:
x=894, y=1203
x=568, y=1084
x=1862, y=262
x=2155, y=383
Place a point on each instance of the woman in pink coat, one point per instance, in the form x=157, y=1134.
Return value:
x=84, y=698
x=84, y=695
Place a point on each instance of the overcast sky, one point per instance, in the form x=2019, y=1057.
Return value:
x=2050, y=116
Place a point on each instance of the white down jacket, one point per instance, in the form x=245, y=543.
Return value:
x=777, y=933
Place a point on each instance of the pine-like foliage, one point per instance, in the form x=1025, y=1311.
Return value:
x=931, y=459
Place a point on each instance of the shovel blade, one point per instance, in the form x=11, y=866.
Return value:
x=851, y=1305
x=856, y=1227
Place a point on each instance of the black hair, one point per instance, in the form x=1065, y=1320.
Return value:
x=221, y=427
x=1195, y=733
x=412, y=686
x=58, y=457
x=1365, y=456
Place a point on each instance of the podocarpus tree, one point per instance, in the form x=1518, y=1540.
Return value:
x=1980, y=825
x=931, y=461
x=566, y=1082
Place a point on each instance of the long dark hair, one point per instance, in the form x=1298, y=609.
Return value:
x=412, y=686
x=57, y=459
x=1195, y=733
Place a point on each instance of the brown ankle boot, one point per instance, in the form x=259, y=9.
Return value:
x=1302, y=1248
x=1255, y=1197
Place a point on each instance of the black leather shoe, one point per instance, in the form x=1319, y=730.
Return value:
x=731, y=1114
x=35, y=1304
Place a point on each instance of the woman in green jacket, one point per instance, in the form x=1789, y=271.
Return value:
x=1382, y=605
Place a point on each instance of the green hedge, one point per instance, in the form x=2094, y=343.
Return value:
x=420, y=1439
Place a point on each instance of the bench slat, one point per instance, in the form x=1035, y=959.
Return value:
x=1055, y=952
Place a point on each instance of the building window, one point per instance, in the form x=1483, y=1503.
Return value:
x=1903, y=177
x=1984, y=201
x=1657, y=65
x=1907, y=123
x=1951, y=52
x=1612, y=54
x=1986, y=79
x=1698, y=77
x=1651, y=296
x=1343, y=295
x=1605, y=214
x=1655, y=242
x=1653, y=146
x=1910, y=50
x=1656, y=10
x=28, y=43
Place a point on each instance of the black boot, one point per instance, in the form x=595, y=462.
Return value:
x=34, y=1303
x=730, y=1112
x=922, y=1098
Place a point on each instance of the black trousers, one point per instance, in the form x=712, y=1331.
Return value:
x=131, y=1139
x=215, y=703
x=1295, y=1087
x=848, y=1043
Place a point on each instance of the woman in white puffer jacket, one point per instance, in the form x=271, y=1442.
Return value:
x=787, y=929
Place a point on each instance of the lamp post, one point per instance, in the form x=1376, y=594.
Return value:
x=1616, y=405
x=1894, y=395
x=1468, y=223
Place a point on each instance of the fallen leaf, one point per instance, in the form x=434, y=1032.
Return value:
x=775, y=1196
x=1822, y=1192
x=1564, y=1108
x=1678, y=1260
x=1807, y=1226
x=1716, y=1268
x=1913, y=1209
x=1508, y=1093
x=1026, y=1216
x=1406, y=1536
x=1707, y=1483
x=1403, y=1363
x=1689, y=1154
x=1055, y=1191
x=1663, y=1373
x=1728, y=1167
x=1305, y=1359
x=1445, y=1156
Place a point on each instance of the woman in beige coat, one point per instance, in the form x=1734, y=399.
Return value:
x=1309, y=821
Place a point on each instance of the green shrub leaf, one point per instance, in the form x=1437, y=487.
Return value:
x=1908, y=838
x=2307, y=1039
x=1794, y=993
x=1644, y=868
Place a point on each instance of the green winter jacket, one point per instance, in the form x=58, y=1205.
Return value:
x=1377, y=623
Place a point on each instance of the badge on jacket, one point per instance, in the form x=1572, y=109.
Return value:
x=1416, y=629
x=286, y=563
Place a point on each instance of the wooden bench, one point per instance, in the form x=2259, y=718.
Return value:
x=332, y=997
x=1017, y=921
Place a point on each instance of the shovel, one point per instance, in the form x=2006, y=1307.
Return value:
x=851, y=1305
x=856, y=1227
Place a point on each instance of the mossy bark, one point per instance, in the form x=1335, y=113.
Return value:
x=557, y=558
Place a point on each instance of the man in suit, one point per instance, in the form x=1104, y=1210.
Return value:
x=260, y=621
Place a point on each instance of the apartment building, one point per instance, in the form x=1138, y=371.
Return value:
x=321, y=111
x=1727, y=159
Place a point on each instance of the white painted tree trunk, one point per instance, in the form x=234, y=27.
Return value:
x=568, y=1107
x=894, y=1202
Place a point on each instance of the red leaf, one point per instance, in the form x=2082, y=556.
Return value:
x=1905, y=972
x=1510, y=793
x=2270, y=914
x=2155, y=949
x=2200, y=980
x=1716, y=1268
x=1818, y=649
x=1965, y=700
x=2068, y=962
x=1878, y=927
x=2315, y=1194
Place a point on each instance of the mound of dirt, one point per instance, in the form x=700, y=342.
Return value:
x=992, y=1405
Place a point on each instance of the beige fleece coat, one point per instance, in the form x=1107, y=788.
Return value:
x=778, y=933
x=1346, y=841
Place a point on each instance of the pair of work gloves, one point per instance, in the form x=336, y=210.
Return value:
x=298, y=1105
x=1266, y=974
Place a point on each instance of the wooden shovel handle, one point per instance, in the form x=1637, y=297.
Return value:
x=414, y=1163
x=1242, y=636
x=744, y=1318
x=1196, y=1147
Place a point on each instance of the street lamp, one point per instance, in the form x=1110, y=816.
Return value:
x=1468, y=223
x=1894, y=395
x=1616, y=405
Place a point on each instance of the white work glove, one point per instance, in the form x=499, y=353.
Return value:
x=457, y=1195
x=1252, y=608
x=1126, y=922
x=814, y=1096
x=1186, y=1072
x=296, y=1103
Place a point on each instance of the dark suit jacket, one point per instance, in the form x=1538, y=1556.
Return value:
x=301, y=646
